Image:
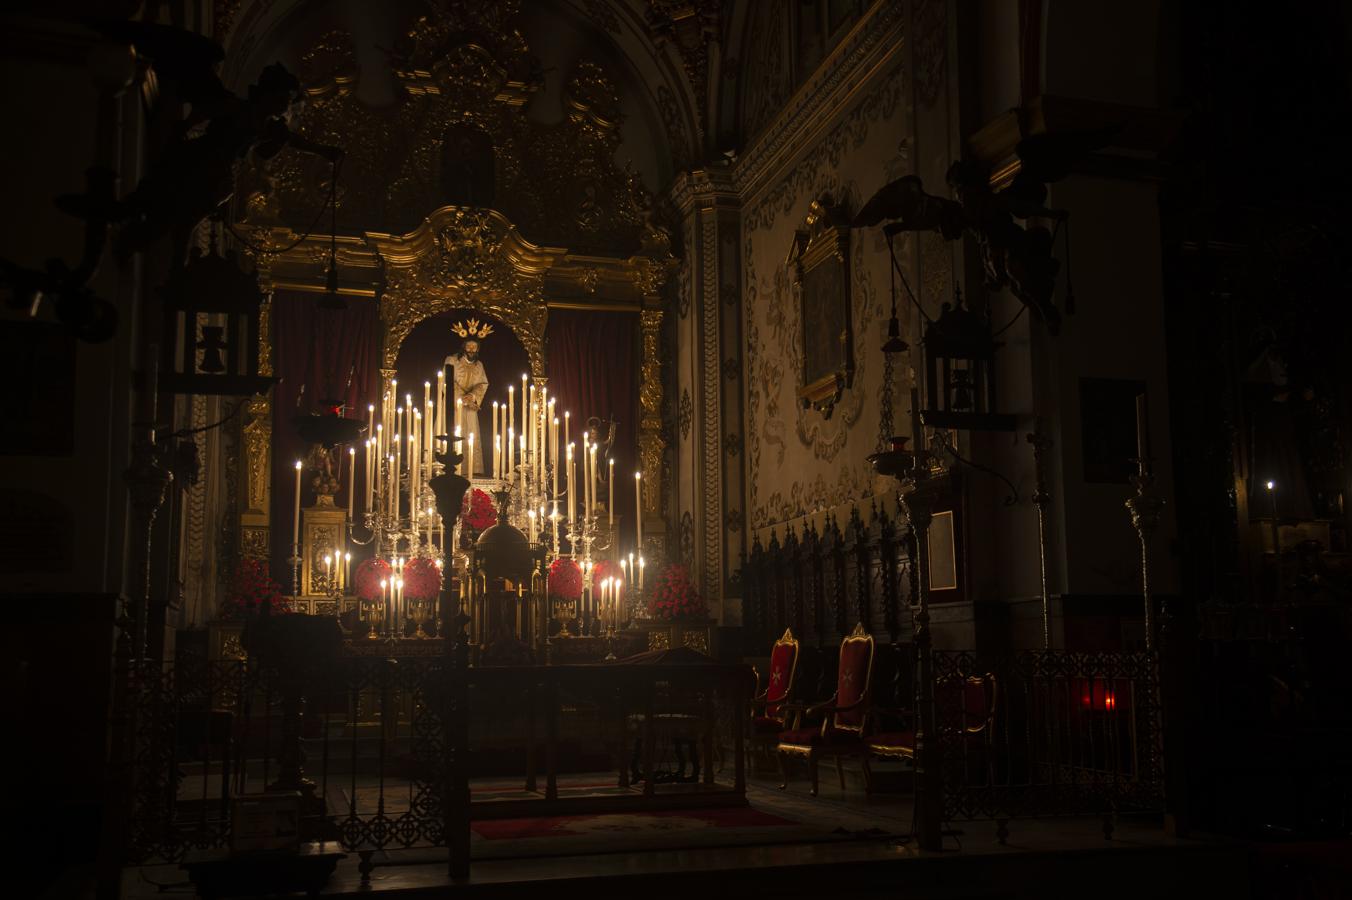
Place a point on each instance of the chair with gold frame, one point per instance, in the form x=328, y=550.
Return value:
x=768, y=714
x=963, y=708
x=844, y=717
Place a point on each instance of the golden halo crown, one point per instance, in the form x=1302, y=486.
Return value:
x=471, y=328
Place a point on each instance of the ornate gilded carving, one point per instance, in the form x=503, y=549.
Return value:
x=685, y=414
x=651, y=446
x=659, y=640
x=257, y=451
x=697, y=640
x=689, y=25
x=467, y=74
x=253, y=542
x=464, y=257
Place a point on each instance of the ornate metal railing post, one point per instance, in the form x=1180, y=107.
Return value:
x=1041, y=497
x=1145, y=509
x=920, y=490
x=449, y=489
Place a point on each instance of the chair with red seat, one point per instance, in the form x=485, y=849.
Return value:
x=964, y=708
x=767, y=708
x=844, y=718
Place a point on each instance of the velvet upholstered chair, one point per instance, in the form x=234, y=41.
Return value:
x=964, y=712
x=768, y=713
x=843, y=719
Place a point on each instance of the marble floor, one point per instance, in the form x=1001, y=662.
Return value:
x=842, y=843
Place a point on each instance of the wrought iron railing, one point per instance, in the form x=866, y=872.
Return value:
x=367, y=743
x=1047, y=732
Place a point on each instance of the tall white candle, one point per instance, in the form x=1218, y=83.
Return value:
x=351, y=481
x=366, y=464
x=525, y=408
x=441, y=400
x=554, y=456
x=459, y=413
x=509, y=458
x=638, y=511
x=523, y=469
x=610, y=493
x=295, y=522
x=572, y=494
x=509, y=425
x=469, y=461
x=497, y=457
x=495, y=439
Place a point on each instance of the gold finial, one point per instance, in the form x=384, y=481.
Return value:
x=471, y=328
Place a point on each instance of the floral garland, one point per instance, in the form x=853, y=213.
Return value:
x=251, y=587
x=565, y=579
x=422, y=579
x=674, y=596
x=366, y=580
x=480, y=515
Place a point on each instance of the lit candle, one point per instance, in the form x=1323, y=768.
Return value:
x=295, y=524
x=441, y=400
x=572, y=494
x=510, y=425
x=554, y=455
x=366, y=462
x=525, y=409
x=413, y=474
x=595, y=495
x=469, y=460
x=610, y=494
x=497, y=454
x=642, y=565
x=509, y=461
x=530, y=514
x=638, y=511
x=459, y=413
x=566, y=415
x=347, y=570
x=370, y=420
x=495, y=439
x=328, y=571
x=523, y=468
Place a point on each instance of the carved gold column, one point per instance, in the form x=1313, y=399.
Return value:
x=255, y=457
x=651, y=447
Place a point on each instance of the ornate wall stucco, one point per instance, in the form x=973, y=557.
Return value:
x=798, y=460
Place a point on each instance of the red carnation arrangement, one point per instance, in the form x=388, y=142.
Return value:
x=250, y=587
x=366, y=580
x=422, y=579
x=674, y=596
x=565, y=579
x=604, y=569
x=481, y=514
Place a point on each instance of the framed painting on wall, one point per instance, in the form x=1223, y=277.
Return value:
x=821, y=259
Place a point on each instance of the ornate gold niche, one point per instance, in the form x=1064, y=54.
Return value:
x=464, y=68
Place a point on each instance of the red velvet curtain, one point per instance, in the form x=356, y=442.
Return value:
x=594, y=370
x=317, y=355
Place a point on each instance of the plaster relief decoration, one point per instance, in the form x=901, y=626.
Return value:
x=799, y=459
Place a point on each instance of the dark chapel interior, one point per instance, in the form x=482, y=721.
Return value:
x=800, y=448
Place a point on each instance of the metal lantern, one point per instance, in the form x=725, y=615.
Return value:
x=960, y=373
x=211, y=329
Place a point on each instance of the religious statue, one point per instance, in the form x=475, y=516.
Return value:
x=470, y=382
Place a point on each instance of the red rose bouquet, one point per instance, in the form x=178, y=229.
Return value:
x=565, y=579
x=479, y=514
x=366, y=580
x=250, y=587
x=602, y=570
x=422, y=579
x=674, y=596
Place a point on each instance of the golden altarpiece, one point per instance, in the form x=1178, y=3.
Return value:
x=452, y=199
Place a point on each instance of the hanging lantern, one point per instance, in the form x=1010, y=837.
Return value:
x=210, y=343
x=960, y=373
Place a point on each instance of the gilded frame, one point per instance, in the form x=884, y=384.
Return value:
x=821, y=261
